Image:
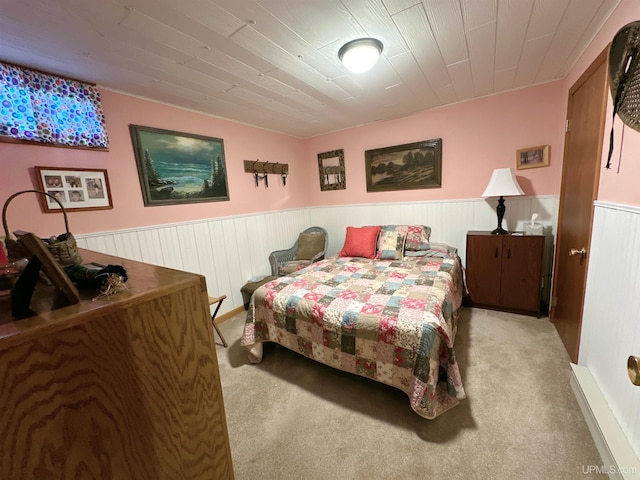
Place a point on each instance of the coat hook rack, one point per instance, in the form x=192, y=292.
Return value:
x=260, y=170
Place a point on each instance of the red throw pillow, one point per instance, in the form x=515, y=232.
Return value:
x=360, y=242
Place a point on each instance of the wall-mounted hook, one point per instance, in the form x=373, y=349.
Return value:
x=255, y=172
x=256, y=167
x=283, y=172
x=265, y=176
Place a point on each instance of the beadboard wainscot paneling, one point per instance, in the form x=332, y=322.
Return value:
x=227, y=250
x=611, y=316
x=449, y=219
x=230, y=250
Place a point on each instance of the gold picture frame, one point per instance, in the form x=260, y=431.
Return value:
x=532, y=157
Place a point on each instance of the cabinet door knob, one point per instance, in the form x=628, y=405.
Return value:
x=496, y=254
x=575, y=251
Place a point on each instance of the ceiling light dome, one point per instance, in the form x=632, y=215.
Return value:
x=360, y=55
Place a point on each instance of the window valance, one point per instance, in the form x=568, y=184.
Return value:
x=45, y=108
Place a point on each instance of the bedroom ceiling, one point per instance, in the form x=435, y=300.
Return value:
x=274, y=64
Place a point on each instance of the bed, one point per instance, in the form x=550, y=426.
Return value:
x=377, y=310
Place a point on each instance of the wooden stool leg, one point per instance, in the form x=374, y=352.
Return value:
x=217, y=300
x=224, y=342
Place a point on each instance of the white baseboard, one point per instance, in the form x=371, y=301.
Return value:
x=619, y=461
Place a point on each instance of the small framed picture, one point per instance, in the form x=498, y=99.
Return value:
x=331, y=167
x=532, y=157
x=74, y=188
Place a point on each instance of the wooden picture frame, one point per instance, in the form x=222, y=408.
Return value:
x=176, y=168
x=331, y=169
x=532, y=157
x=76, y=188
x=405, y=167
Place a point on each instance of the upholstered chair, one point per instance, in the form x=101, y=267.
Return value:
x=310, y=247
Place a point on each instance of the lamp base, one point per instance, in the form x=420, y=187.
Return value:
x=500, y=209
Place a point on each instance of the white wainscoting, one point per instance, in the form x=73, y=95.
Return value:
x=611, y=317
x=230, y=250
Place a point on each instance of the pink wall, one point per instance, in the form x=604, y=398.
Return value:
x=619, y=184
x=477, y=137
x=240, y=143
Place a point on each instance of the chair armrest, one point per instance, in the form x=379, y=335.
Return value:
x=279, y=257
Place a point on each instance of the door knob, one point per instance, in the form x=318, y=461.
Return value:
x=633, y=369
x=575, y=251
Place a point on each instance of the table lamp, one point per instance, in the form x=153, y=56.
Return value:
x=502, y=184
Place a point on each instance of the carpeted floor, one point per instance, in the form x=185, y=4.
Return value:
x=292, y=418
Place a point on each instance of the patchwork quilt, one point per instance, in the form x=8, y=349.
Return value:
x=393, y=321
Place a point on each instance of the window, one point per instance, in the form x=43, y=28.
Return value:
x=39, y=107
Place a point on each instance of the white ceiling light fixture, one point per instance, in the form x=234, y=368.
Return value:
x=360, y=55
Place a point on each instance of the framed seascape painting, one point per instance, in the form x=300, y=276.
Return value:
x=405, y=167
x=177, y=167
x=75, y=188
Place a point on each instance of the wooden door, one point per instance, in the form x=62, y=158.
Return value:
x=580, y=174
x=522, y=273
x=484, y=256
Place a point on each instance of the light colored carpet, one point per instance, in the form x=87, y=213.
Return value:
x=293, y=418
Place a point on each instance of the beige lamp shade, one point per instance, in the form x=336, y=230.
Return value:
x=503, y=183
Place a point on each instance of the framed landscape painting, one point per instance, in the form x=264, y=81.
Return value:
x=405, y=167
x=177, y=167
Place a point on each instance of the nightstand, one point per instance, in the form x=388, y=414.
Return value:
x=504, y=272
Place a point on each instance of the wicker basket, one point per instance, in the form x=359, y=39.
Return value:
x=63, y=247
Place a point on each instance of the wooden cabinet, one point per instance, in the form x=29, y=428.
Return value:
x=122, y=387
x=504, y=272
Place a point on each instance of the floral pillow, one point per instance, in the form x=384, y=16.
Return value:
x=417, y=238
x=391, y=245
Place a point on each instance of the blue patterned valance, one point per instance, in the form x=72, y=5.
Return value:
x=45, y=108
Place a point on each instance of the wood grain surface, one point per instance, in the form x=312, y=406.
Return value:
x=129, y=390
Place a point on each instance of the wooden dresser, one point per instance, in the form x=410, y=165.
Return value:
x=125, y=387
